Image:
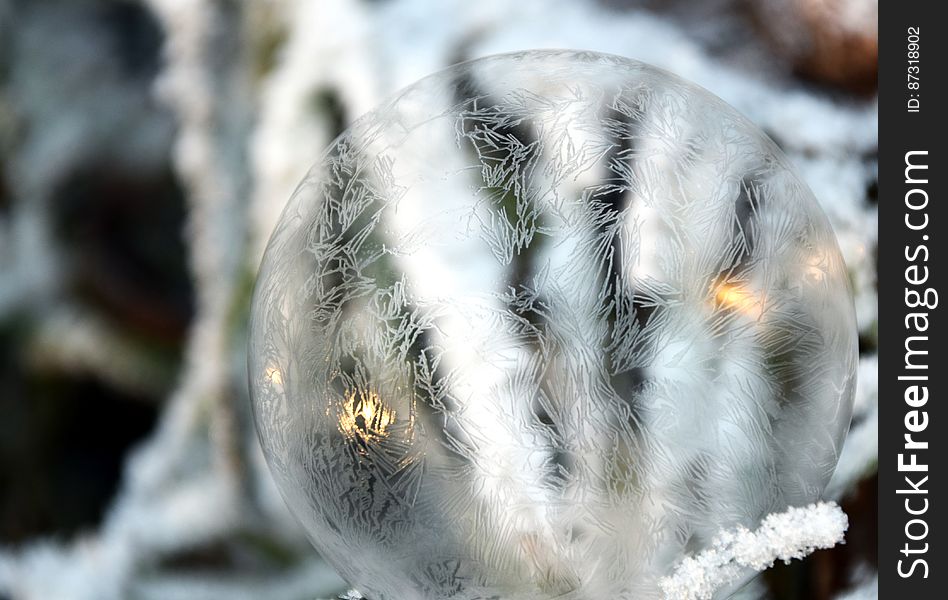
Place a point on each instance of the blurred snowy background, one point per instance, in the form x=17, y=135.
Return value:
x=146, y=149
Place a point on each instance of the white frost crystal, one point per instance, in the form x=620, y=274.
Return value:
x=541, y=326
x=781, y=536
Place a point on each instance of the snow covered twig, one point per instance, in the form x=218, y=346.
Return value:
x=781, y=536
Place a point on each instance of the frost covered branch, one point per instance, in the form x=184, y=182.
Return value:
x=781, y=536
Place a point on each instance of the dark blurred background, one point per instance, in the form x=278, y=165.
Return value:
x=146, y=149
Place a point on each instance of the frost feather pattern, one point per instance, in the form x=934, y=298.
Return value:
x=541, y=326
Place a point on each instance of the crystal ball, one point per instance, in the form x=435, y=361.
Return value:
x=541, y=325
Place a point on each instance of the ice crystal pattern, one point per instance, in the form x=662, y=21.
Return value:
x=542, y=325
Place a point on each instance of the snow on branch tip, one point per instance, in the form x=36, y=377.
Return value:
x=784, y=536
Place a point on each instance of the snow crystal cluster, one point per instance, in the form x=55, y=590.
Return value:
x=781, y=536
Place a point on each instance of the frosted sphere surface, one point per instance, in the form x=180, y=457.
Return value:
x=542, y=325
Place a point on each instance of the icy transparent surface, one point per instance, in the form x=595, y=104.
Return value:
x=540, y=326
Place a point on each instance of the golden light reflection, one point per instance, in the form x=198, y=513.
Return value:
x=365, y=415
x=274, y=375
x=815, y=273
x=815, y=268
x=738, y=298
x=819, y=265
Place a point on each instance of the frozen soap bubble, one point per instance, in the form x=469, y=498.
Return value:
x=540, y=326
